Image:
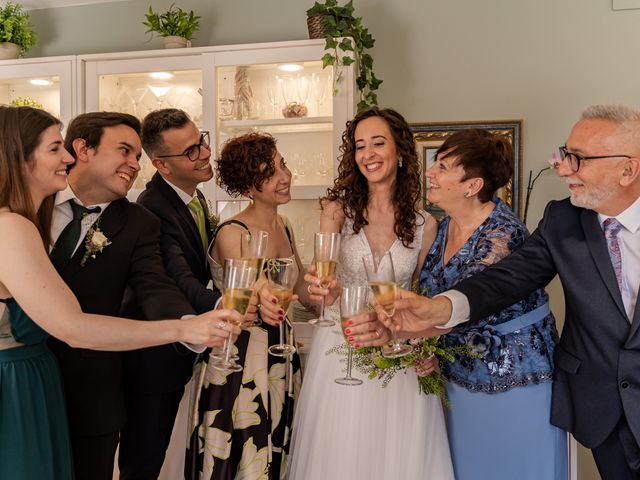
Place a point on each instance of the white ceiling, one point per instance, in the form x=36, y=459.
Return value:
x=38, y=4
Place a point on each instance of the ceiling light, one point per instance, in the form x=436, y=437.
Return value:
x=40, y=82
x=290, y=67
x=161, y=75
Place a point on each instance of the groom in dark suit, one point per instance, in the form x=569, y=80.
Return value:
x=117, y=247
x=592, y=241
x=154, y=386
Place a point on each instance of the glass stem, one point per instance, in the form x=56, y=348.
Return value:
x=281, y=328
x=394, y=337
x=321, y=310
x=227, y=352
x=349, y=360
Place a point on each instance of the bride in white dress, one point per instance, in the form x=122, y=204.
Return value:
x=366, y=431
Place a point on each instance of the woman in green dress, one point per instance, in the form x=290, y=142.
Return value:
x=35, y=302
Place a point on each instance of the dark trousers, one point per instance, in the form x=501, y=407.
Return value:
x=146, y=434
x=93, y=456
x=618, y=457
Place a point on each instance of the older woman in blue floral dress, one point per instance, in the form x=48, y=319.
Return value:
x=500, y=396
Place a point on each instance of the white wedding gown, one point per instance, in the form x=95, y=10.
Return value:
x=365, y=432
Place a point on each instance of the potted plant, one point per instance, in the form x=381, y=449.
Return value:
x=175, y=25
x=346, y=37
x=16, y=31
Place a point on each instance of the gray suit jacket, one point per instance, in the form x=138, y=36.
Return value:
x=597, y=377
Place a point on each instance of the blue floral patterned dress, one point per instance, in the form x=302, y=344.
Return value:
x=501, y=396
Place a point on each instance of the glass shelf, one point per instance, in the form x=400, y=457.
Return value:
x=280, y=125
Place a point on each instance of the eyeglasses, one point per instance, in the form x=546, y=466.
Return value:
x=192, y=152
x=575, y=158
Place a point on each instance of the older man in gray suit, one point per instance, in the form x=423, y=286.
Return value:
x=592, y=241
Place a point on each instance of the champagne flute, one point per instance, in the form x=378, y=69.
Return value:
x=382, y=280
x=282, y=273
x=326, y=249
x=253, y=247
x=238, y=280
x=353, y=301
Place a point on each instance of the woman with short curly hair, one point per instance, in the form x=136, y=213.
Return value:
x=250, y=166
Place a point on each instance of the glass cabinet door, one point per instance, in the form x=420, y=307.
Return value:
x=139, y=85
x=43, y=83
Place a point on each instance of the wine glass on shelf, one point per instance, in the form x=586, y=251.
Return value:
x=319, y=88
x=382, y=280
x=136, y=98
x=282, y=274
x=326, y=251
x=303, y=89
x=238, y=279
x=289, y=89
x=353, y=301
x=274, y=93
x=253, y=247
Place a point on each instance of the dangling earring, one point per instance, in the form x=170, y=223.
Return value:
x=400, y=162
x=250, y=200
x=465, y=194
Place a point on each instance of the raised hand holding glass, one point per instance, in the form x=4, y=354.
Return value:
x=353, y=301
x=382, y=280
x=283, y=274
x=326, y=251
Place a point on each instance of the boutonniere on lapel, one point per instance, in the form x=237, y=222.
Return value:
x=94, y=242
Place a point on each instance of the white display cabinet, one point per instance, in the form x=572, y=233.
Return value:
x=48, y=83
x=139, y=82
x=230, y=90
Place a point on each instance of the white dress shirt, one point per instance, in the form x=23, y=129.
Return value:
x=629, y=240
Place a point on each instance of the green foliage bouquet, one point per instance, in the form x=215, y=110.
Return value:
x=369, y=361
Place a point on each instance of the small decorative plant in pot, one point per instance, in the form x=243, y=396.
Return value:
x=16, y=31
x=345, y=37
x=175, y=25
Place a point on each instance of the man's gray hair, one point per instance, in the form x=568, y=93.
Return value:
x=620, y=114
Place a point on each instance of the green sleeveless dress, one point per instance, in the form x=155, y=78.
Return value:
x=34, y=436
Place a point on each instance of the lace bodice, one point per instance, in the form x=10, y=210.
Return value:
x=350, y=269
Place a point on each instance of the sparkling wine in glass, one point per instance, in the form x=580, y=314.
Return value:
x=326, y=251
x=253, y=247
x=238, y=280
x=283, y=274
x=382, y=280
x=353, y=301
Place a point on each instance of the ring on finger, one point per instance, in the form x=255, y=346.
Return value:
x=377, y=333
x=221, y=324
x=309, y=289
x=259, y=306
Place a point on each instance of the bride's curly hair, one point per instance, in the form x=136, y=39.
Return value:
x=350, y=187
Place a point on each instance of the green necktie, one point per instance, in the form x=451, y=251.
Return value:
x=68, y=239
x=195, y=207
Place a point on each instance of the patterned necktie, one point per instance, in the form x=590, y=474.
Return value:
x=195, y=207
x=68, y=239
x=612, y=228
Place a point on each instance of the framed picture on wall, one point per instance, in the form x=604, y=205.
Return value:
x=429, y=137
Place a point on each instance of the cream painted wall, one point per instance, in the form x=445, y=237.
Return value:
x=441, y=60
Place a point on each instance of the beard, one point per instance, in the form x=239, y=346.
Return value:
x=592, y=197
